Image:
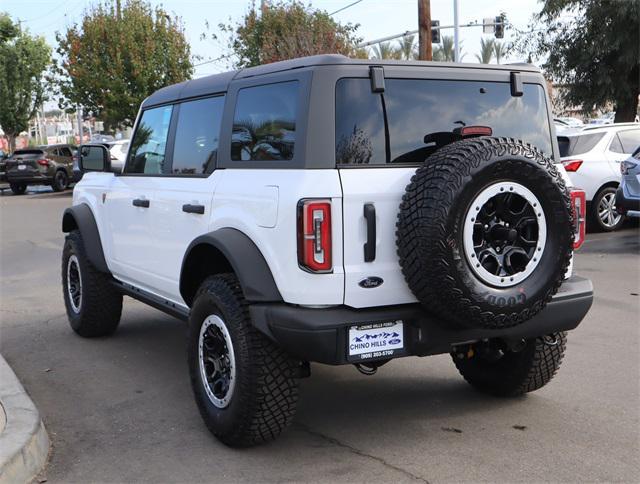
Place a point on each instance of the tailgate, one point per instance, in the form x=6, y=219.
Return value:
x=383, y=189
x=24, y=160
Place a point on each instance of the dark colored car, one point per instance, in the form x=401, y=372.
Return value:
x=3, y=157
x=43, y=165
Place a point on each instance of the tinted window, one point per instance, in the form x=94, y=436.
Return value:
x=578, y=145
x=65, y=151
x=149, y=142
x=630, y=140
x=423, y=114
x=197, y=135
x=615, y=145
x=264, y=124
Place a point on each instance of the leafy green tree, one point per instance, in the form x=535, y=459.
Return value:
x=23, y=61
x=486, y=51
x=593, y=48
x=283, y=30
x=500, y=50
x=119, y=55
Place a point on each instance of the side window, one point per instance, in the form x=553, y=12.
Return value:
x=197, y=136
x=65, y=151
x=149, y=143
x=360, y=137
x=615, y=145
x=264, y=124
x=630, y=140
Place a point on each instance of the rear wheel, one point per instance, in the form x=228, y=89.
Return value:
x=18, y=188
x=604, y=216
x=60, y=181
x=244, y=385
x=494, y=368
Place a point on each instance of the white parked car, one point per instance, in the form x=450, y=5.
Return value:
x=592, y=157
x=118, y=150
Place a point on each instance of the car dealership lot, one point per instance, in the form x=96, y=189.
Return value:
x=121, y=409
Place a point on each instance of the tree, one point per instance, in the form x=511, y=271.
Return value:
x=500, y=50
x=23, y=61
x=445, y=51
x=384, y=50
x=407, y=48
x=118, y=56
x=593, y=48
x=486, y=51
x=287, y=29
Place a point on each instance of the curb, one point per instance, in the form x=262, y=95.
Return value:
x=24, y=443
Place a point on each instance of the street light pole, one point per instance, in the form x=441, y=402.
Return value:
x=456, y=32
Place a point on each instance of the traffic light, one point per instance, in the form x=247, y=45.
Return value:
x=435, y=33
x=499, y=27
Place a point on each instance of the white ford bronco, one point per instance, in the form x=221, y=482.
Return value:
x=337, y=211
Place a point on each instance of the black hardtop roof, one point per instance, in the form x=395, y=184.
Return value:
x=218, y=83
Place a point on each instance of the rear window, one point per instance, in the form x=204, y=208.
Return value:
x=412, y=118
x=578, y=145
x=28, y=152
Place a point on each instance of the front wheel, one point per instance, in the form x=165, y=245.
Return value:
x=604, y=216
x=495, y=368
x=244, y=385
x=93, y=305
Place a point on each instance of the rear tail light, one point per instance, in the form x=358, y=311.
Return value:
x=572, y=165
x=43, y=162
x=314, y=235
x=626, y=165
x=579, y=206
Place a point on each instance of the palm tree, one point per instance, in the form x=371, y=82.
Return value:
x=407, y=48
x=384, y=50
x=444, y=52
x=486, y=51
x=500, y=50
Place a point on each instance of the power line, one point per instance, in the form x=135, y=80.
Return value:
x=213, y=60
x=344, y=8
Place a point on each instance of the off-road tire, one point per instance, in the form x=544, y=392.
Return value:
x=430, y=239
x=594, y=222
x=60, y=181
x=515, y=373
x=264, y=399
x=101, y=303
x=18, y=188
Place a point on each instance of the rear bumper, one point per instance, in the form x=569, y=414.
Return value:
x=626, y=205
x=322, y=334
x=29, y=178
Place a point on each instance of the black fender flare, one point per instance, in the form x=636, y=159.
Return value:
x=81, y=217
x=246, y=260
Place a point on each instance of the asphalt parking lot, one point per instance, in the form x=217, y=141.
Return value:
x=120, y=409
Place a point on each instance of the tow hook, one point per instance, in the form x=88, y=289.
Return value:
x=370, y=368
x=550, y=339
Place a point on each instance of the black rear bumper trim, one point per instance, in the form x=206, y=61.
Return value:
x=321, y=334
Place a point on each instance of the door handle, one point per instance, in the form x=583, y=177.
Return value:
x=140, y=202
x=187, y=207
x=370, y=244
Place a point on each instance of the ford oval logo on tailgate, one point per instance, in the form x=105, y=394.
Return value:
x=371, y=282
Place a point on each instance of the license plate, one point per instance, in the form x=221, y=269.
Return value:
x=375, y=340
x=22, y=167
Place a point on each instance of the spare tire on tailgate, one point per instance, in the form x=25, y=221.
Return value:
x=484, y=232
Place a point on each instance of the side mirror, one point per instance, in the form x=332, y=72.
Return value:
x=94, y=157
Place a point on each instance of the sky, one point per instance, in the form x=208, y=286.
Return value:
x=377, y=18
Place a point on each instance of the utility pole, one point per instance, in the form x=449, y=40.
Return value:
x=456, y=32
x=425, y=50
